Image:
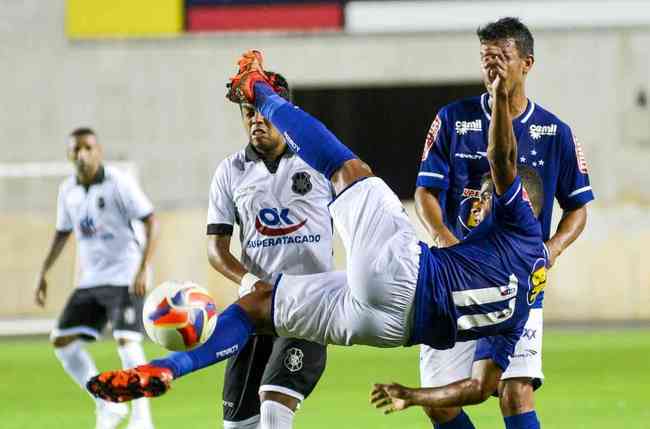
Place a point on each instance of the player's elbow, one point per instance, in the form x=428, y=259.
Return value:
x=217, y=255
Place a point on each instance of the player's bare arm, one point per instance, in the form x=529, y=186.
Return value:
x=427, y=206
x=474, y=390
x=151, y=233
x=502, y=145
x=57, y=245
x=223, y=260
x=568, y=230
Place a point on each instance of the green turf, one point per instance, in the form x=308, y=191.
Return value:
x=595, y=380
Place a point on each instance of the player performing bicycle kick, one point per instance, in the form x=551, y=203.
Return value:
x=396, y=291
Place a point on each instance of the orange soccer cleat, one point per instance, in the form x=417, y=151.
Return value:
x=133, y=383
x=241, y=86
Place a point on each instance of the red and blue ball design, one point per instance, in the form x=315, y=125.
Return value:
x=179, y=316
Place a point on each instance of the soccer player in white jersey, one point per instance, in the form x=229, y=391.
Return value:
x=100, y=205
x=279, y=204
x=448, y=186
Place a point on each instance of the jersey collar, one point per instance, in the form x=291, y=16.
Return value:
x=523, y=118
x=99, y=178
x=252, y=155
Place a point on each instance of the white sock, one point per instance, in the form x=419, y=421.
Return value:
x=132, y=354
x=275, y=415
x=80, y=366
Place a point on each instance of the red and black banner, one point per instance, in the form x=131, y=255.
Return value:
x=260, y=15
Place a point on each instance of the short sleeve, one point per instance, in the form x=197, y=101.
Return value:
x=498, y=348
x=435, y=165
x=221, y=207
x=63, y=219
x=573, y=188
x=512, y=210
x=136, y=204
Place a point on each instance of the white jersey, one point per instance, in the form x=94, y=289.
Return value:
x=284, y=222
x=101, y=217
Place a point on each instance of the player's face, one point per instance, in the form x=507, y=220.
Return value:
x=262, y=134
x=485, y=201
x=86, y=155
x=517, y=65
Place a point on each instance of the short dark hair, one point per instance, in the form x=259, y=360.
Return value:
x=531, y=181
x=508, y=28
x=281, y=84
x=82, y=131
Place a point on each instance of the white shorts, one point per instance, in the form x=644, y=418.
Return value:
x=371, y=302
x=441, y=367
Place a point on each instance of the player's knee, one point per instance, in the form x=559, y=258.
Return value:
x=59, y=342
x=441, y=415
x=257, y=306
x=351, y=171
x=516, y=396
x=286, y=400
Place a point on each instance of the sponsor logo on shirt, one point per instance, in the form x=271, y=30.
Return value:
x=464, y=127
x=279, y=225
x=471, y=193
x=580, y=156
x=477, y=155
x=537, y=131
x=432, y=135
x=276, y=221
x=87, y=227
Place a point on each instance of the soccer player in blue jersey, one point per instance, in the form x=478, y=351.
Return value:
x=395, y=291
x=448, y=190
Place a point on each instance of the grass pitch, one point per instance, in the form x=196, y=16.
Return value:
x=594, y=379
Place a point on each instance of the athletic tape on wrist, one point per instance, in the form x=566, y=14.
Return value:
x=247, y=283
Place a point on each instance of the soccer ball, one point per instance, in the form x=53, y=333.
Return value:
x=179, y=316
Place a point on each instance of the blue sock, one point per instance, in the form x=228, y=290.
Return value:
x=305, y=135
x=461, y=421
x=522, y=421
x=230, y=335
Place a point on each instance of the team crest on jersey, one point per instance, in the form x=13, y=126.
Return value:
x=580, y=155
x=464, y=127
x=301, y=183
x=101, y=203
x=274, y=222
x=537, y=131
x=432, y=135
x=537, y=280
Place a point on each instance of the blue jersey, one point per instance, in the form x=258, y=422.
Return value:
x=486, y=285
x=455, y=159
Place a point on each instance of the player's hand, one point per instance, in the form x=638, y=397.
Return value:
x=494, y=63
x=40, y=294
x=446, y=239
x=390, y=397
x=129, y=384
x=140, y=283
